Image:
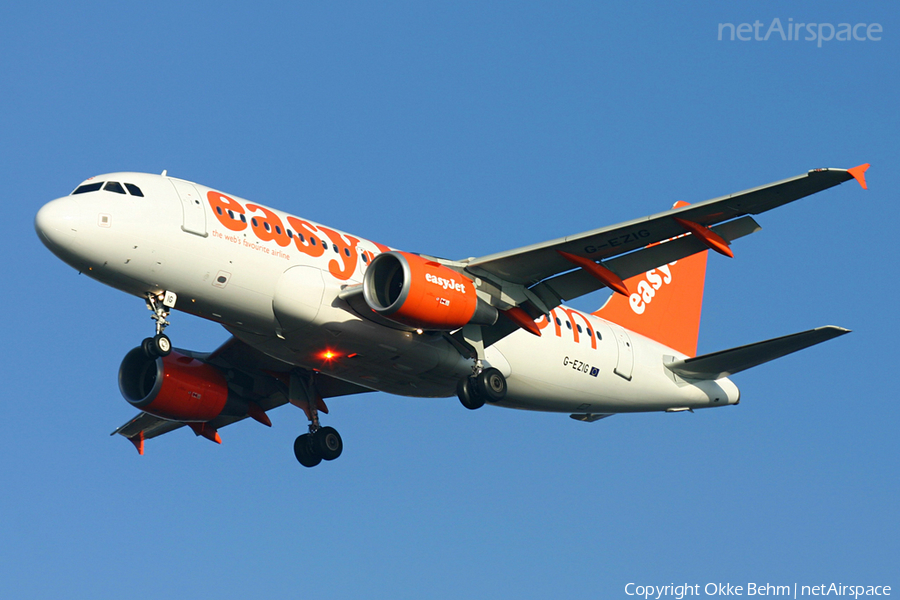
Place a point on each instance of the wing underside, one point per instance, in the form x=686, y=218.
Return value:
x=253, y=376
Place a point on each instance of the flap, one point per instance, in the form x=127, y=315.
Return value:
x=577, y=283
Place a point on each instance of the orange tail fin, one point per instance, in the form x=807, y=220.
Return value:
x=664, y=304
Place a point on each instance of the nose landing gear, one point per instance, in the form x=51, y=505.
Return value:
x=159, y=344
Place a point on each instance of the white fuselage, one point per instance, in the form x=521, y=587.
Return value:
x=281, y=296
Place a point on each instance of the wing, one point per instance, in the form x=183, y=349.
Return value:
x=252, y=376
x=540, y=277
x=532, y=264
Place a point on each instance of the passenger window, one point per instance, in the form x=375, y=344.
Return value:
x=88, y=187
x=114, y=186
x=135, y=190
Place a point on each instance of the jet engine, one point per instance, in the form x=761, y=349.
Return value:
x=421, y=293
x=173, y=387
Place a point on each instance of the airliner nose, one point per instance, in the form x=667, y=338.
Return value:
x=55, y=223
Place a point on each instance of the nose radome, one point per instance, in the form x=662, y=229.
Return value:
x=55, y=222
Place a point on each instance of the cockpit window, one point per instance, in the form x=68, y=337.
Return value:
x=88, y=187
x=114, y=186
x=135, y=190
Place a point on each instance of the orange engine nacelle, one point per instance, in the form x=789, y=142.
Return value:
x=174, y=387
x=422, y=293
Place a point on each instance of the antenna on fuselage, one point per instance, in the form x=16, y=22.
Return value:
x=165, y=172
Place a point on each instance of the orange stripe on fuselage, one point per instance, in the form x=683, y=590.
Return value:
x=568, y=315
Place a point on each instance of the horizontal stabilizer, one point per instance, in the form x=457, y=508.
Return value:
x=728, y=362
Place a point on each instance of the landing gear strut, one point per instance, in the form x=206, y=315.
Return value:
x=159, y=344
x=321, y=443
x=487, y=385
x=484, y=385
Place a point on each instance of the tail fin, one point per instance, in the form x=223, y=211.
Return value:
x=664, y=304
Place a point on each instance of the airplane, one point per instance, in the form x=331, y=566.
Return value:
x=315, y=313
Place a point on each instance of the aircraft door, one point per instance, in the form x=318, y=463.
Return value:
x=625, y=360
x=192, y=208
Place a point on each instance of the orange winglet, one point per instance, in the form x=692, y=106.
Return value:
x=609, y=279
x=859, y=174
x=255, y=412
x=521, y=318
x=138, y=442
x=706, y=235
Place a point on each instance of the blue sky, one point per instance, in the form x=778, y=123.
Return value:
x=457, y=129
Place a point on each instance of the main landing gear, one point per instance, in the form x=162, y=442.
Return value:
x=487, y=385
x=484, y=385
x=159, y=345
x=321, y=443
